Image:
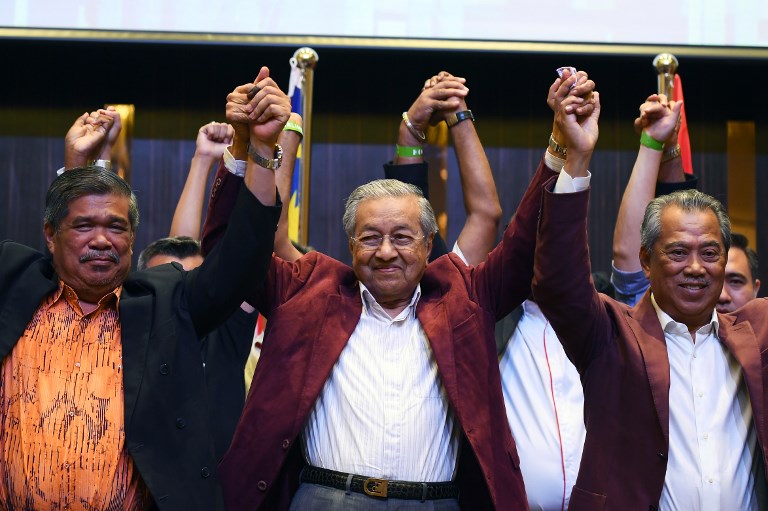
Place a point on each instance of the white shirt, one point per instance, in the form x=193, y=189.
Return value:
x=712, y=437
x=545, y=409
x=383, y=412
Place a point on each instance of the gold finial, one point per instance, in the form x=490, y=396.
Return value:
x=306, y=58
x=666, y=66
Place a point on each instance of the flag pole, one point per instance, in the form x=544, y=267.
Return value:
x=306, y=59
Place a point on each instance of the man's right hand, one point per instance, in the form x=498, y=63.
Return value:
x=84, y=140
x=213, y=138
x=268, y=110
x=442, y=94
x=659, y=118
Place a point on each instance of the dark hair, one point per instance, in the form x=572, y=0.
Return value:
x=82, y=181
x=179, y=247
x=687, y=200
x=741, y=242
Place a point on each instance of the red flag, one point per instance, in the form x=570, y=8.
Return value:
x=682, y=136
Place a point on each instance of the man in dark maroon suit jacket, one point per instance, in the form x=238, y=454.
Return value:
x=621, y=352
x=313, y=306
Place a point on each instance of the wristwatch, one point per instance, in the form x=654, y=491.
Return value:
x=560, y=150
x=455, y=118
x=268, y=163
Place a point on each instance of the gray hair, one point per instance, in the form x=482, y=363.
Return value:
x=82, y=181
x=687, y=200
x=386, y=188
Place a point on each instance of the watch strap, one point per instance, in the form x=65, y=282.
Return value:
x=268, y=163
x=455, y=118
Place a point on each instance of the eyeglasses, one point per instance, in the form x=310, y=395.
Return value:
x=374, y=241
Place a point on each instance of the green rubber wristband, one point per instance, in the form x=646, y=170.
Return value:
x=404, y=151
x=650, y=142
x=292, y=126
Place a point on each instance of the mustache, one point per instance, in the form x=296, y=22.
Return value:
x=100, y=254
x=695, y=282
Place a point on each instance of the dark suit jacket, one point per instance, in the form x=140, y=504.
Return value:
x=621, y=355
x=314, y=305
x=163, y=313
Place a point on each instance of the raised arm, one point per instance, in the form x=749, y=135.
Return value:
x=88, y=137
x=409, y=165
x=481, y=202
x=290, y=139
x=562, y=285
x=212, y=139
x=444, y=98
x=658, y=120
x=239, y=262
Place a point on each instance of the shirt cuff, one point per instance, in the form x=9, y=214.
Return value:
x=567, y=184
x=458, y=252
x=553, y=162
x=630, y=286
x=236, y=167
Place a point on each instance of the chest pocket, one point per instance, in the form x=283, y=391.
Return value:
x=585, y=500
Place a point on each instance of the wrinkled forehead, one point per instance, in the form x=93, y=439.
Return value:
x=700, y=224
x=387, y=214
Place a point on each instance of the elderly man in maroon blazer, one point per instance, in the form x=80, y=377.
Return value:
x=378, y=384
x=674, y=391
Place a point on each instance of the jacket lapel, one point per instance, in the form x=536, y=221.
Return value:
x=741, y=342
x=136, y=321
x=433, y=317
x=23, y=300
x=644, y=323
x=339, y=320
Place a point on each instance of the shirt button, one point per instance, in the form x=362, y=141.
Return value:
x=706, y=437
x=711, y=480
x=77, y=364
x=71, y=413
x=701, y=394
x=181, y=423
x=262, y=485
x=205, y=473
x=286, y=443
x=164, y=369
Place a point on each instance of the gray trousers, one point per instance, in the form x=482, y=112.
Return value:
x=314, y=497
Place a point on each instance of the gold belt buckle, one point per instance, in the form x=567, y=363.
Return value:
x=375, y=487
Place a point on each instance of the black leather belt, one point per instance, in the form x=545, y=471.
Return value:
x=381, y=488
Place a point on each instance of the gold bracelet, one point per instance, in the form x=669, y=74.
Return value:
x=671, y=154
x=416, y=133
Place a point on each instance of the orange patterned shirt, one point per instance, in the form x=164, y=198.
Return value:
x=62, y=431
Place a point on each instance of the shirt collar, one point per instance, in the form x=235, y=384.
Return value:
x=110, y=300
x=669, y=325
x=371, y=306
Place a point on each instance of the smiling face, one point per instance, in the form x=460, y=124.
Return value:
x=686, y=265
x=390, y=273
x=739, y=286
x=93, y=246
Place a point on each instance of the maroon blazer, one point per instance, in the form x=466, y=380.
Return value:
x=621, y=355
x=314, y=305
